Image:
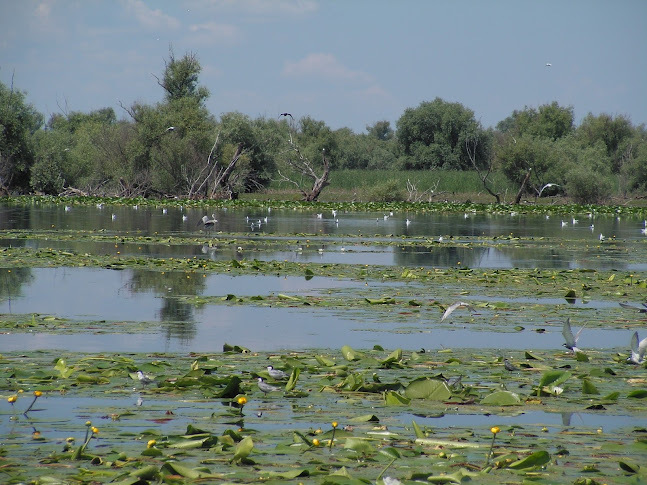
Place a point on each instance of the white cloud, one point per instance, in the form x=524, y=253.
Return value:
x=212, y=31
x=151, y=18
x=44, y=9
x=323, y=65
x=260, y=7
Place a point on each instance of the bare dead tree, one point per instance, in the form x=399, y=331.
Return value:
x=416, y=195
x=304, y=168
x=470, y=146
x=517, y=199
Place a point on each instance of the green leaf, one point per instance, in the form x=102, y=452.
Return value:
x=392, y=398
x=325, y=361
x=359, y=445
x=416, y=429
x=366, y=418
x=502, y=398
x=292, y=381
x=629, y=467
x=430, y=389
x=554, y=377
x=581, y=357
x=588, y=387
x=381, y=301
x=538, y=458
x=243, y=449
x=638, y=394
x=349, y=354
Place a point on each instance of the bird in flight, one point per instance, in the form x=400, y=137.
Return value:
x=571, y=340
x=454, y=306
x=638, y=349
x=286, y=114
x=548, y=64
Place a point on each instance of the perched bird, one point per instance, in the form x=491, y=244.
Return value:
x=114, y=217
x=641, y=309
x=509, y=365
x=638, y=348
x=571, y=341
x=265, y=387
x=276, y=373
x=145, y=379
x=454, y=306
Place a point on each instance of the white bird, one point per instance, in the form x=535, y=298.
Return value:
x=601, y=237
x=638, y=349
x=276, y=373
x=100, y=205
x=114, y=216
x=564, y=223
x=144, y=378
x=570, y=340
x=454, y=306
x=334, y=213
x=575, y=221
x=547, y=186
x=265, y=387
x=185, y=218
x=644, y=231
x=548, y=64
x=319, y=216
x=408, y=222
x=165, y=211
x=68, y=208
x=208, y=223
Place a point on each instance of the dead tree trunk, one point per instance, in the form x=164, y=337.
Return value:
x=302, y=166
x=470, y=146
x=517, y=199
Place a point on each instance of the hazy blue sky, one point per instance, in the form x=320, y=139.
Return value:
x=348, y=63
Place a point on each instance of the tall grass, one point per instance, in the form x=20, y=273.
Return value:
x=370, y=186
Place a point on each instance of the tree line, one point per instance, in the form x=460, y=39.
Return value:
x=176, y=147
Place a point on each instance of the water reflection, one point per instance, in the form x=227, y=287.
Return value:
x=331, y=242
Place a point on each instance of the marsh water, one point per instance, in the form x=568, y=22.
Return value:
x=159, y=299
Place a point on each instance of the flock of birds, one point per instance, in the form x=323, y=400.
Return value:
x=638, y=347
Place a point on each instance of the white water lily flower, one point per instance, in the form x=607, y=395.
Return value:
x=391, y=481
x=556, y=390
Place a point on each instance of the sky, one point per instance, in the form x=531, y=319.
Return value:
x=349, y=63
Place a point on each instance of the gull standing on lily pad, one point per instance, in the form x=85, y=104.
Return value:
x=638, y=349
x=571, y=341
x=144, y=378
x=265, y=387
x=454, y=306
x=276, y=374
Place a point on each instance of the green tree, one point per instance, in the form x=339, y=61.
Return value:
x=19, y=121
x=613, y=132
x=381, y=130
x=180, y=78
x=434, y=135
x=548, y=121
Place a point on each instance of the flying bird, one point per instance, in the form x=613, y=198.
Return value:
x=638, y=349
x=547, y=186
x=286, y=114
x=548, y=64
x=641, y=309
x=276, y=374
x=208, y=223
x=454, y=306
x=571, y=341
x=265, y=387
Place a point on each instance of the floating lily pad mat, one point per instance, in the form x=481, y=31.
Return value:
x=412, y=416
